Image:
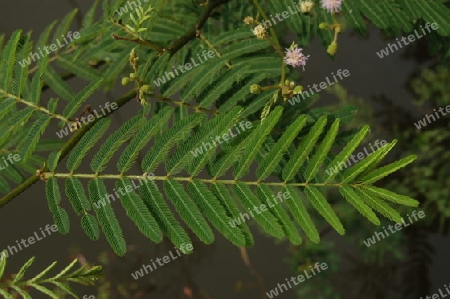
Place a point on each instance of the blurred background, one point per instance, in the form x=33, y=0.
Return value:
x=389, y=94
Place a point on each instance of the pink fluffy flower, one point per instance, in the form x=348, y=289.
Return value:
x=332, y=5
x=294, y=56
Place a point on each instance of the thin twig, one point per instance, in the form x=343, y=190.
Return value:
x=67, y=147
x=181, y=103
x=276, y=44
x=30, y=104
x=192, y=33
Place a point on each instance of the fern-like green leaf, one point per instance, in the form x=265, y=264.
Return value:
x=226, y=200
x=379, y=205
x=23, y=269
x=391, y=196
x=324, y=208
x=77, y=196
x=163, y=216
x=90, y=226
x=350, y=195
x=373, y=10
x=8, y=60
x=142, y=137
x=161, y=149
x=114, y=141
x=347, y=150
x=54, y=199
x=82, y=71
x=386, y=170
x=267, y=221
x=321, y=152
x=35, y=133
x=45, y=291
x=276, y=153
x=80, y=98
x=138, y=212
x=300, y=155
x=270, y=201
x=53, y=79
x=353, y=172
x=108, y=221
x=188, y=211
x=90, y=138
x=217, y=127
x=61, y=219
x=255, y=141
x=298, y=210
x=214, y=212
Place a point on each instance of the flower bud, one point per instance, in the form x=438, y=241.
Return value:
x=255, y=88
x=323, y=25
x=133, y=76
x=298, y=89
x=146, y=88
x=306, y=6
x=125, y=81
x=332, y=48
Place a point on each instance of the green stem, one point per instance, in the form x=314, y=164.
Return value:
x=68, y=146
x=269, y=87
x=139, y=41
x=47, y=175
x=54, y=57
x=276, y=43
x=211, y=46
x=40, y=108
x=181, y=103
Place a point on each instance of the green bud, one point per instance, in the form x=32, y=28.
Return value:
x=133, y=76
x=132, y=54
x=332, y=48
x=255, y=88
x=298, y=89
x=323, y=25
x=285, y=91
x=125, y=81
x=146, y=88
